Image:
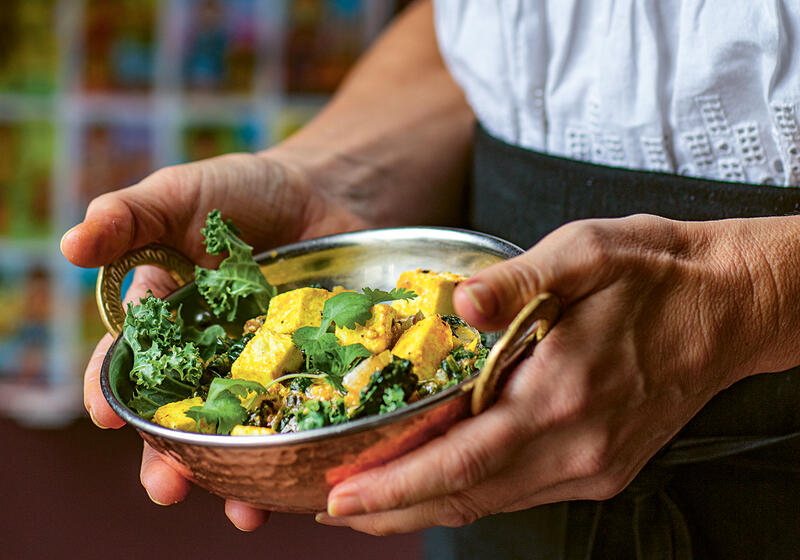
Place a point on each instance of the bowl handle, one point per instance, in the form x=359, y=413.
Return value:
x=528, y=327
x=110, y=278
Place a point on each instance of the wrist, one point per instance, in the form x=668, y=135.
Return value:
x=320, y=177
x=760, y=263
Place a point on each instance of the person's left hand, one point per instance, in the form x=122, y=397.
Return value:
x=659, y=317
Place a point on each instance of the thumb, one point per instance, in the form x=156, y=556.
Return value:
x=568, y=263
x=128, y=218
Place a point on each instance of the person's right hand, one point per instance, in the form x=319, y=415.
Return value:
x=273, y=203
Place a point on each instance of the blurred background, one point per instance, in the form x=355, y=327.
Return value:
x=94, y=95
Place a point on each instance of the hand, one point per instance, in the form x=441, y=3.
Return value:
x=271, y=202
x=654, y=326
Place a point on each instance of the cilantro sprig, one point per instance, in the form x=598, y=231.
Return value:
x=238, y=276
x=347, y=309
x=229, y=402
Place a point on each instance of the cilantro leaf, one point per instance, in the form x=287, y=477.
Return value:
x=314, y=413
x=325, y=354
x=350, y=308
x=228, y=403
x=238, y=276
x=394, y=397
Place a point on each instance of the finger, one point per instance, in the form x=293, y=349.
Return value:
x=162, y=483
x=468, y=453
x=571, y=262
x=96, y=405
x=149, y=279
x=447, y=511
x=245, y=517
x=167, y=206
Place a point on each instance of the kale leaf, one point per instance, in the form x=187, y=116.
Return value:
x=238, y=276
x=209, y=341
x=164, y=369
x=228, y=403
x=383, y=392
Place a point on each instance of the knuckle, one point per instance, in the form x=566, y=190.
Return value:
x=458, y=510
x=464, y=467
x=593, y=461
x=595, y=242
x=173, y=175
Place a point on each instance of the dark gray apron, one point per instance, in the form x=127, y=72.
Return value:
x=728, y=485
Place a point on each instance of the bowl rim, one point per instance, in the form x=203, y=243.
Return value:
x=490, y=242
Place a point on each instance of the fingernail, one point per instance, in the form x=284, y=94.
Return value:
x=346, y=504
x=63, y=237
x=325, y=519
x=94, y=420
x=481, y=297
x=242, y=529
x=152, y=499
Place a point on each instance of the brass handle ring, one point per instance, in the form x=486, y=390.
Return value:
x=110, y=278
x=528, y=327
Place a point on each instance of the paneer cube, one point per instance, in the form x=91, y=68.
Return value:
x=434, y=292
x=240, y=430
x=376, y=335
x=268, y=355
x=294, y=309
x=425, y=344
x=173, y=415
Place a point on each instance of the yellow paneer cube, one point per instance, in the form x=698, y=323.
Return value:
x=240, y=430
x=376, y=335
x=425, y=344
x=434, y=292
x=173, y=415
x=268, y=355
x=294, y=309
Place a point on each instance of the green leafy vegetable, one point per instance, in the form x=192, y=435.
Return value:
x=228, y=404
x=322, y=349
x=325, y=354
x=238, y=276
x=347, y=309
x=164, y=369
x=393, y=398
x=454, y=321
x=314, y=413
x=209, y=341
x=151, y=322
x=382, y=393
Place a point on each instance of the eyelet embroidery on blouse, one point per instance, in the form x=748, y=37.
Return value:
x=655, y=154
x=750, y=143
x=788, y=138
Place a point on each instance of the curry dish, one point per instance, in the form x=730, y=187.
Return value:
x=313, y=357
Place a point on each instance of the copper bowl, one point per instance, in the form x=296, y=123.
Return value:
x=294, y=472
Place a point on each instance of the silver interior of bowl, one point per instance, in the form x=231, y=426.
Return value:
x=372, y=258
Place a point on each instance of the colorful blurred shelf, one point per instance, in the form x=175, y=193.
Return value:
x=96, y=94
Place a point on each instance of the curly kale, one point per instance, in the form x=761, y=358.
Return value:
x=165, y=369
x=238, y=276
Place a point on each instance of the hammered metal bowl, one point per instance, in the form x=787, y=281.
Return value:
x=294, y=472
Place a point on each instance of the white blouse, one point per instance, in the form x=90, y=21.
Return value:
x=707, y=88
